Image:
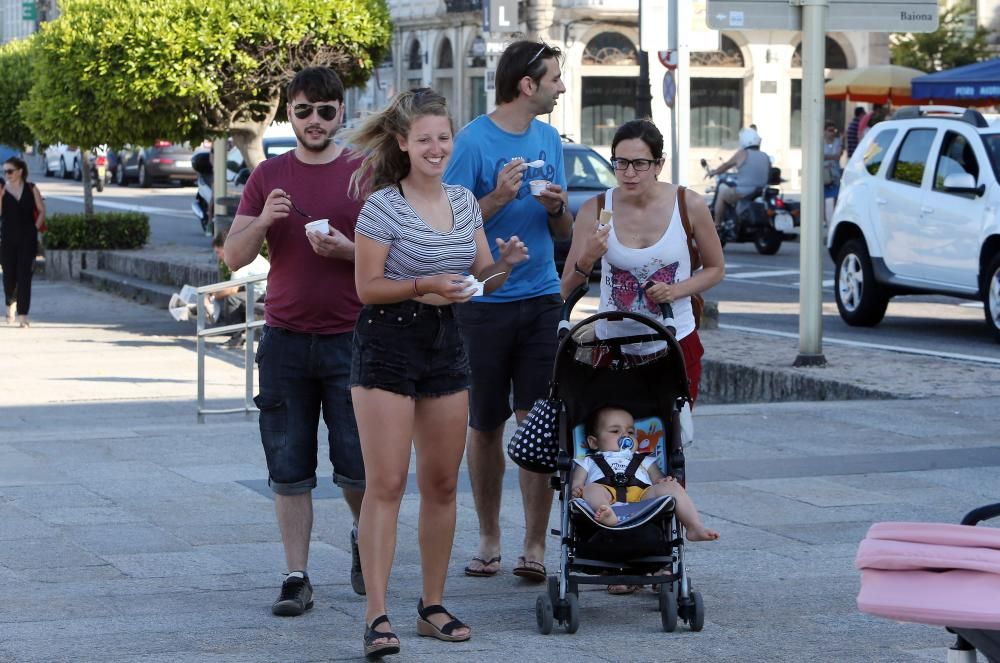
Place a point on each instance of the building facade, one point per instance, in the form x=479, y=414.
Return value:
x=754, y=77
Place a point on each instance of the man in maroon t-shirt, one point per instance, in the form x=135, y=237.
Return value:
x=304, y=356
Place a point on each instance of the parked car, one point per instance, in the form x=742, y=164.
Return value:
x=163, y=162
x=919, y=213
x=587, y=174
x=63, y=161
x=8, y=151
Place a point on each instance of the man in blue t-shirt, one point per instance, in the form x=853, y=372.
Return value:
x=510, y=334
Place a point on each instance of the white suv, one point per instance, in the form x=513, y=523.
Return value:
x=919, y=213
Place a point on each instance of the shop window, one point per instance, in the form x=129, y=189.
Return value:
x=833, y=111
x=607, y=103
x=716, y=112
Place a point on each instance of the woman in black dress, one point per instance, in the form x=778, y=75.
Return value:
x=22, y=213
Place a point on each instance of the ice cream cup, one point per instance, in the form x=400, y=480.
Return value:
x=321, y=226
x=537, y=186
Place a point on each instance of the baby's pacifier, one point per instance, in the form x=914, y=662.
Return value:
x=626, y=443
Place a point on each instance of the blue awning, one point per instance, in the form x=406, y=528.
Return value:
x=971, y=83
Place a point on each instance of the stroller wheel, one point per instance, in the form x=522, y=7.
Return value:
x=697, y=619
x=668, y=607
x=572, y=613
x=543, y=614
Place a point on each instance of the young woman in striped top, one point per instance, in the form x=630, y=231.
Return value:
x=416, y=239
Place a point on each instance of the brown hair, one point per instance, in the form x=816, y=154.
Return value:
x=384, y=164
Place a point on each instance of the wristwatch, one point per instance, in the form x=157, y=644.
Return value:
x=560, y=211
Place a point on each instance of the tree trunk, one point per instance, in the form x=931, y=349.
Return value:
x=85, y=179
x=248, y=136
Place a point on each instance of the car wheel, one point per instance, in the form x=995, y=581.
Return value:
x=859, y=299
x=768, y=242
x=62, y=173
x=120, y=178
x=144, y=180
x=991, y=297
x=77, y=171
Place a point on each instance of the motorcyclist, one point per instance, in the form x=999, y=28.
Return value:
x=752, y=169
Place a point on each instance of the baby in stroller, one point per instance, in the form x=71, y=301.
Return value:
x=610, y=433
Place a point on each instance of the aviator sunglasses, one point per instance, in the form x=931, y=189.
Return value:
x=304, y=111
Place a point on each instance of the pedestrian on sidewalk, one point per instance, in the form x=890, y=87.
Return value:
x=416, y=241
x=22, y=211
x=304, y=356
x=852, y=135
x=510, y=334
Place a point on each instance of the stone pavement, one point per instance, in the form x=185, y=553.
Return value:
x=130, y=533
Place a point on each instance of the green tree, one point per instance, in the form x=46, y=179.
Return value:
x=957, y=41
x=132, y=72
x=15, y=83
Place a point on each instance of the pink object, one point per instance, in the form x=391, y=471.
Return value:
x=931, y=573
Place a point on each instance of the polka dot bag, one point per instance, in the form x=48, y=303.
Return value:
x=535, y=443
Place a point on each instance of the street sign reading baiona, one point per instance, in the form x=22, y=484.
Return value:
x=843, y=15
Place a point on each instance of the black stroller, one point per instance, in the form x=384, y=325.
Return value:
x=643, y=370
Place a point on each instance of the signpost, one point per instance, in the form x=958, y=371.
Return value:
x=852, y=15
x=503, y=17
x=815, y=17
x=29, y=10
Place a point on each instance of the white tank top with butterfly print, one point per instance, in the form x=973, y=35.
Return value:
x=625, y=271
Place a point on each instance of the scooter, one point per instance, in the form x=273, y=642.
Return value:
x=763, y=216
x=203, y=205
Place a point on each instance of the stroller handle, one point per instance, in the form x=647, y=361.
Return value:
x=666, y=310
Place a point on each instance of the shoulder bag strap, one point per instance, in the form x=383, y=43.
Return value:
x=695, y=255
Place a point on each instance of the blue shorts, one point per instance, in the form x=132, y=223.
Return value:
x=409, y=348
x=299, y=376
x=512, y=347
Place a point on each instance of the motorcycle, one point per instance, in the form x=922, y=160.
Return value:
x=99, y=173
x=763, y=216
x=203, y=205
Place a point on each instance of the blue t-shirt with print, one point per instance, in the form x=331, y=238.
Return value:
x=482, y=149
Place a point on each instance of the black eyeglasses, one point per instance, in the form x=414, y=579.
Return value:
x=10, y=170
x=638, y=165
x=326, y=111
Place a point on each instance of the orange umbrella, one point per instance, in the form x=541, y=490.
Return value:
x=877, y=84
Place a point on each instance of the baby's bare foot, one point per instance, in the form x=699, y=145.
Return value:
x=606, y=515
x=701, y=534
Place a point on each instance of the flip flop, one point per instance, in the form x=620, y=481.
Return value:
x=482, y=572
x=530, y=570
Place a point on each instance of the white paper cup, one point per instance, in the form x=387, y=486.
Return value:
x=321, y=226
x=537, y=186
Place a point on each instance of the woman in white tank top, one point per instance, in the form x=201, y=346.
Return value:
x=643, y=250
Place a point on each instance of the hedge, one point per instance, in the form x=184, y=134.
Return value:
x=105, y=230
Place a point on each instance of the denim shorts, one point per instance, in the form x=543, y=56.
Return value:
x=511, y=346
x=301, y=375
x=409, y=348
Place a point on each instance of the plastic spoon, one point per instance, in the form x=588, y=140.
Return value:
x=537, y=163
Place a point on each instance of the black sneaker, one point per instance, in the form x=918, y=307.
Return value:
x=357, y=579
x=296, y=597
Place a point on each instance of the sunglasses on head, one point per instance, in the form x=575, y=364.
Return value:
x=304, y=111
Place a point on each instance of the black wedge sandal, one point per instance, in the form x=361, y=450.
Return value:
x=375, y=651
x=427, y=629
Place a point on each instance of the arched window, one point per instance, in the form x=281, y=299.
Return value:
x=415, y=60
x=445, y=58
x=835, y=56
x=728, y=55
x=610, y=48
x=834, y=110
x=717, y=96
